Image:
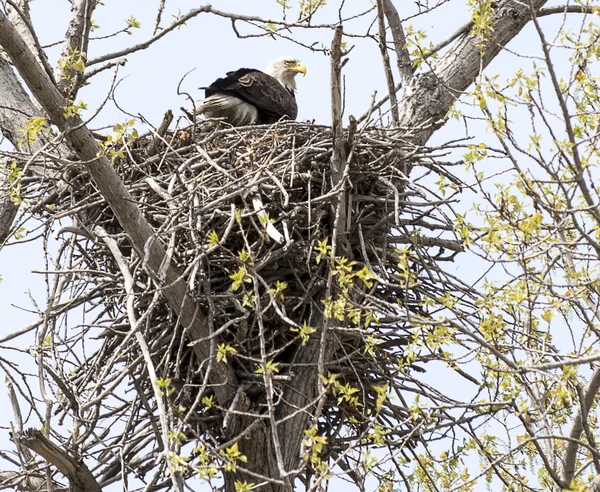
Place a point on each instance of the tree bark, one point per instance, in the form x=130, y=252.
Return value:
x=429, y=97
x=16, y=108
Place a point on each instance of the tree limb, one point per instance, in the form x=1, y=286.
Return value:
x=24, y=26
x=389, y=76
x=79, y=475
x=572, y=446
x=566, y=9
x=16, y=109
x=402, y=56
x=430, y=96
x=76, y=38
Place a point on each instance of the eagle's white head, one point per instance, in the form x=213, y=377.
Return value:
x=284, y=69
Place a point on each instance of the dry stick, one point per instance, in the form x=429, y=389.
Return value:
x=118, y=197
x=269, y=391
x=17, y=426
x=339, y=167
x=402, y=55
x=338, y=158
x=389, y=76
x=79, y=475
x=158, y=143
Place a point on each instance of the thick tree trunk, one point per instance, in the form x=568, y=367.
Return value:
x=429, y=97
x=15, y=109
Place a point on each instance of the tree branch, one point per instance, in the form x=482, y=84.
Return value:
x=402, y=55
x=423, y=108
x=572, y=446
x=79, y=475
x=193, y=13
x=76, y=38
x=142, y=46
x=389, y=76
x=16, y=109
x=24, y=26
x=566, y=9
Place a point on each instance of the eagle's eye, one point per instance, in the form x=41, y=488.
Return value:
x=288, y=63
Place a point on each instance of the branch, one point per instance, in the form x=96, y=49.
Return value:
x=424, y=108
x=77, y=38
x=17, y=425
x=17, y=107
x=141, y=234
x=338, y=158
x=464, y=29
x=193, y=13
x=572, y=446
x=150, y=367
x=15, y=480
x=79, y=475
x=429, y=241
x=24, y=26
x=402, y=55
x=142, y=46
x=566, y=9
x=389, y=77
x=159, y=13
x=8, y=210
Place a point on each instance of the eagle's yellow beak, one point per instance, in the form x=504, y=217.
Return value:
x=299, y=68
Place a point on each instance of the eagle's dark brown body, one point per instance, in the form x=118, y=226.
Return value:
x=271, y=99
x=250, y=97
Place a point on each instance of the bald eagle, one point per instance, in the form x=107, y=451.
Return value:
x=251, y=97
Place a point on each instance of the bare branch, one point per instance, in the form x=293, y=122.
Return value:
x=589, y=395
x=159, y=13
x=76, y=39
x=566, y=9
x=402, y=56
x=193, y=13
x=389, y=76
x=80, y=477
x=23, y=25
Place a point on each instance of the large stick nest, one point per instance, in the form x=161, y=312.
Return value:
x=206, y=191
